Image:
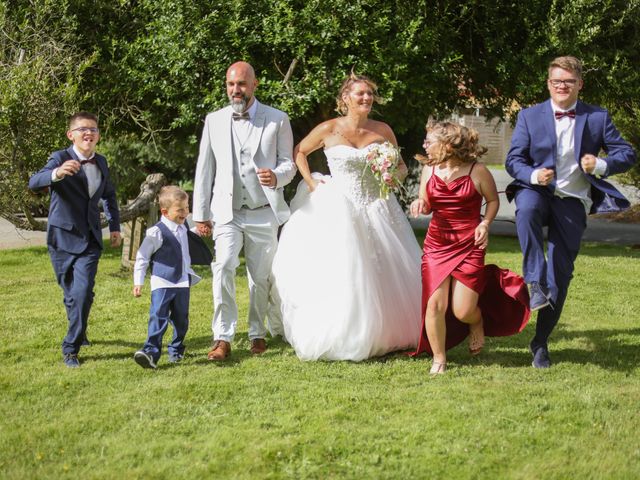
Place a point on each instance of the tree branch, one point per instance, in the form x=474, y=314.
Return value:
x=292, y=67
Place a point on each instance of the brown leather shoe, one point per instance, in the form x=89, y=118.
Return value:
x=219, y=351
x=258, y=346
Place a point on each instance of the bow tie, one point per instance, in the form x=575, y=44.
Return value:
x=568, y=113
x=238, y=116
x=91, y=161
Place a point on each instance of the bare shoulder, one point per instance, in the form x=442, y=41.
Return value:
x=480, y=170
x=326, y=127
x=315, y=139
x=322, y=130
x=383, y=130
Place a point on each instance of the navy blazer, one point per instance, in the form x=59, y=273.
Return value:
x=73, y=215
x=533, y=146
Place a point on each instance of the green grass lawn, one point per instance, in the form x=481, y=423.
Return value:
x=276, y=417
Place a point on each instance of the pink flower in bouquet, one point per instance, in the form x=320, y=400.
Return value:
x=383, y=161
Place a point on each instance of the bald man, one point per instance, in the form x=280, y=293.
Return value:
x=245, y=161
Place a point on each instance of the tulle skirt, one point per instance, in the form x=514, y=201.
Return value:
x=348, y=276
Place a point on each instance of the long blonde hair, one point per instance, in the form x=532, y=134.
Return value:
x=457, y=141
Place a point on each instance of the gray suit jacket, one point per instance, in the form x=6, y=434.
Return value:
x=271, y=143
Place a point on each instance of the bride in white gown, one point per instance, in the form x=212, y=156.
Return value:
x=347, y=269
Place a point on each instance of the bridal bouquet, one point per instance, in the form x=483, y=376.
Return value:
x=383, y=160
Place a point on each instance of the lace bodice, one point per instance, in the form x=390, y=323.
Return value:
x=348, y=170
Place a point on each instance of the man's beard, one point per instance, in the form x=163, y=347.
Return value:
x=240, y=106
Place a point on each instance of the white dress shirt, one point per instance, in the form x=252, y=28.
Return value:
x=151, y=243
x=242, y=126
x=91, y=170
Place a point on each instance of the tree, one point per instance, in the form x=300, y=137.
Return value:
x=39, y=80
x=152, y=70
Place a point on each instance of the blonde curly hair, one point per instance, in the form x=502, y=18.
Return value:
x=456, y=141
x=348, y=82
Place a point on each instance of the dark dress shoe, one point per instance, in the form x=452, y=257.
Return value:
x=176, y=358
x=541, y=358
x=538, y=296
x=219, y=351
x=144, y=359
x=71, y=360
x=258, y=346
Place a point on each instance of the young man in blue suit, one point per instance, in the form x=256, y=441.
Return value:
x=558, y=180
x=78, y=179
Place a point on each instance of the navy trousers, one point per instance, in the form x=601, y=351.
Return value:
x=566, y=220
x=168, y=305
x=76, y=275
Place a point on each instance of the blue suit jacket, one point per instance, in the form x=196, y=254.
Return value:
x=74, y=216
x=533, y=146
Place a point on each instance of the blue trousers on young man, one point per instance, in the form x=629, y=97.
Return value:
x=168, y=305
x=76, y=275
x=566, y=220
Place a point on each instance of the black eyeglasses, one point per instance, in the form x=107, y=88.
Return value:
x=86, y=130
x=565, y=83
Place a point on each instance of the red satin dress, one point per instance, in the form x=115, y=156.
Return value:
x=449, y=249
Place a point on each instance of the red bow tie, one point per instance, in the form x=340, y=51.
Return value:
x=91, y=160
x=568, y=113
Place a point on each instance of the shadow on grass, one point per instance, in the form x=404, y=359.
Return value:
x=607, y=350
x=106, y=356
x=240, y=350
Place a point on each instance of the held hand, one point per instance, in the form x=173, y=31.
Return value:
x=419, y=206
x=68, y=168
x=545, y=176
x=204, y=229
x=482, y=235
x=266, y=177
x=116, y=239
x=588, y=163
x=137, y=290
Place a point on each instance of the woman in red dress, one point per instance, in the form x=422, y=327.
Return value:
x=460, y=295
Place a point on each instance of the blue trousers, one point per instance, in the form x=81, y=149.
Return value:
x=566, y=220
x=76, y=275
x=168, y=305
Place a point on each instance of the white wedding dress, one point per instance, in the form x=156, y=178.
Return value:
x=347, y=269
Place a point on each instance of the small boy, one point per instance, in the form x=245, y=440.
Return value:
x=166, y=247
x=78, y=179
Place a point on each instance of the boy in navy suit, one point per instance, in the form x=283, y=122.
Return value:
x=559, y=179
x=166, y=248
x=78, y=179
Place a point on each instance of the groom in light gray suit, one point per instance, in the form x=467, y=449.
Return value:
x=245, y=160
